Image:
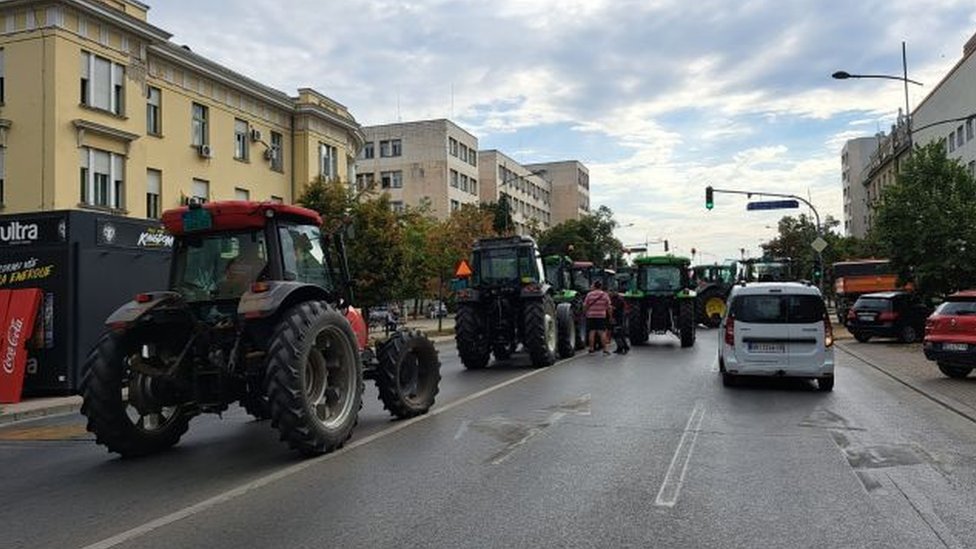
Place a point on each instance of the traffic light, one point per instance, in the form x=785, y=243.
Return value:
x=709, y=197
x=817, y=270
x=666, y=246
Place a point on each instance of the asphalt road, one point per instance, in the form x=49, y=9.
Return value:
x=643, y=450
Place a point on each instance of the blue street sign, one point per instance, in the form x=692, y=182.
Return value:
x=772, y=205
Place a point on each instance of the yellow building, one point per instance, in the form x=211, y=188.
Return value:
x=99, y=110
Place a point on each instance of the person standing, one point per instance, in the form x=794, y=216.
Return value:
x=619, y=308
x=597, y=307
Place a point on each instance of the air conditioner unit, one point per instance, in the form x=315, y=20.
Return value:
x=205, y=151
x=255, y=135
x=269, y=154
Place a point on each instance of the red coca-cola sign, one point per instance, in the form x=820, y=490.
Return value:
x=17, y=311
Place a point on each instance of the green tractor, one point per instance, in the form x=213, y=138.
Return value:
x=662, y=300
x=713, y=284
x=561, y=273
x=767, y=270
x=507, y=301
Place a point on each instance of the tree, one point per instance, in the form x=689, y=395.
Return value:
x=926, y=221
x=502, y=223
x=590, y=238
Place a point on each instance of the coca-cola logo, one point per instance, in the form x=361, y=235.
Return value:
x=16, y=232
x=13, y=342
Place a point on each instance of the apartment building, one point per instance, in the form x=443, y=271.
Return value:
x=430, y=163
x=99, y=110
x=570, y=184
x=529, y=194
x=855, y=157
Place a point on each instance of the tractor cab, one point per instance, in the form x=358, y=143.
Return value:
x=767, y=270
x=558, y=272
x=662, y=299
x=581, y=276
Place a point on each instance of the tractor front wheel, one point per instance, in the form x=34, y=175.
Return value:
x=539, y=318
x=409, y=374
x=130, y=413
x=566, y=325
x=472, y=341
x=686, y=322
x=711, y=307
x=314, y=378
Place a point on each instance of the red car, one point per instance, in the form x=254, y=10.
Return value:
x=950, y=335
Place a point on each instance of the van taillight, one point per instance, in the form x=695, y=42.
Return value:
x=888, y=316
x=730, y=331
x=828, y=331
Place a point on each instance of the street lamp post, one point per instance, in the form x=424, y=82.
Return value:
x=844, y=75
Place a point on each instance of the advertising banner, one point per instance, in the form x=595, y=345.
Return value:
x=18, y=309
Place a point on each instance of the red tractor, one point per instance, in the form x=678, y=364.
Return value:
x=258, y=312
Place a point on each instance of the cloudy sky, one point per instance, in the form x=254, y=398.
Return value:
x=658, y=97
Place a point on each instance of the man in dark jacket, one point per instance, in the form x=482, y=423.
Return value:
x=619, y=323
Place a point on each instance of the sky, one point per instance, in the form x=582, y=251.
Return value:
x=659, y=98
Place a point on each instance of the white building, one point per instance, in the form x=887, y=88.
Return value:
x=855, y=157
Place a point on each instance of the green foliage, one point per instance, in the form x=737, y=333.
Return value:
x=926, y=222
x=502, y=223
x=589, y=238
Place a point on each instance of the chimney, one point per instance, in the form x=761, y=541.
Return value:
x=970, y=46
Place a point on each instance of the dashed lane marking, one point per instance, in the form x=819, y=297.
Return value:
x=667, y=496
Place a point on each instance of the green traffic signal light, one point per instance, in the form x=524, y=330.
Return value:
x=709, y=197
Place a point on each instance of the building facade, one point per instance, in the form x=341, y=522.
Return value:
x=884, y=165
x=426, y=163
x=570, y=182
x=528, y=194
x=99, y=110
x=855, y=157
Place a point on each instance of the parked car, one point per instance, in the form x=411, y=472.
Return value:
x=436, y=309
x=383, y=316
x=950, y=335
x=899, y=315
x=776, y=329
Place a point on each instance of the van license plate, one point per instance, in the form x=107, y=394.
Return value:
x=955, y=347
x=770, y=348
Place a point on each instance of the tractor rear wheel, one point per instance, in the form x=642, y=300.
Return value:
x=566, y=325
x=314, y=378
x=711, y=307
x=539, y=319
x=579, y=319
x=472, y=341
x=128, y=411
x=409, y=373
x=686, y=322
x=637, y=323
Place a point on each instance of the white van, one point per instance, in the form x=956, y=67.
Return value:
x=776, y=329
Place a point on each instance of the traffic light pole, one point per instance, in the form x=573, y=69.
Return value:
x=816, y=216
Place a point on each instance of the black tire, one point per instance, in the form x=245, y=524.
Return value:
x=686, y=322
x=861, y=337
x=472, y=341
x=579, y=322
x=825, y=384
x=955, y=372
x=908, y=334
x=702, y=302
x=566, y=326
x=106, y=374
x=409, y=374
x=314, y=367
x=637, y=323
x=539, y=320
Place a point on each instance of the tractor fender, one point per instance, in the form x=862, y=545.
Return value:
x=278, y=296
x=535, y=290
x=359, y=327
x=138, y=307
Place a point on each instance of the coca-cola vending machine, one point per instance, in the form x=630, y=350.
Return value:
x=86, y=264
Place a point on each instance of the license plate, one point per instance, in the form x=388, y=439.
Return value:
x=767, y=348
x=866, y=318
x=955, y=347
x=197, y=219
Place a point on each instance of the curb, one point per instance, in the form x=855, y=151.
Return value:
x=54, y=410
x=963, y=410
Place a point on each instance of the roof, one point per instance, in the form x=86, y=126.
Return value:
x=230, y=215
x=884, y=295
x=759, y=288
x=662, y=260
x=504, y=241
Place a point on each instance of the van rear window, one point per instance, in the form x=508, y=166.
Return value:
x=872, y=304
x=778, y=309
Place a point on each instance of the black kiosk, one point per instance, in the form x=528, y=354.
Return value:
x=87, y=264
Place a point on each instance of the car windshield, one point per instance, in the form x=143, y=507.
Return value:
x=873, y=304
x=220, y=266
x=658, y=278
x=958, y=308
x=778, y=309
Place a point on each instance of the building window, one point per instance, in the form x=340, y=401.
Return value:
x=390, y=148
x=368, y=151
x=328, y=161
x=201, y=130
x=391, y=180
x=397, y=147
x=154, y=107
x=102, y=181
x=3, y=75
x=972, y=171
x=240, y=139
x=474, y=186
x=454, y=178
x=200, y=190
x=102, y=84
x=952, y=141
x=959, y=138
x=464, y=153
x=455, y=205
x=453, y=146
x=473, y=157
x=241, y=194
x=969, y=122
x=154, y=187
x=365, y=180
x=277, y=146
x=397, y=206
x=464, y=183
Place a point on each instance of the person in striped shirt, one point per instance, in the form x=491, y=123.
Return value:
x=597, y=307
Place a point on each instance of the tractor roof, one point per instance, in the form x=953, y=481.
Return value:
x=582, y=264
x=237, y=215
x=663, y=260
x=504, y=242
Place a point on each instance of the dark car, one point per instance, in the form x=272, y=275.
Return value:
x=950, y=335
x=897, y=315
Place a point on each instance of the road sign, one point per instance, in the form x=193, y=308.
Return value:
x=463, y=269
x=819, y=245
x=773, y=205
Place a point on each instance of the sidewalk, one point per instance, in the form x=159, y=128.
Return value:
x=908, y=365
x=38, y=407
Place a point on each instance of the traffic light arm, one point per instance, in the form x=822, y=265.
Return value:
x=778, y=195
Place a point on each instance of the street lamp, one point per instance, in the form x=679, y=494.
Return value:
x=844, y=75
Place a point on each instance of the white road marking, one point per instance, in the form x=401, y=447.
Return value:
x=510, y=449
x=714, y=367
x=667, y=496
x=463, y=428
x=248, y=487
